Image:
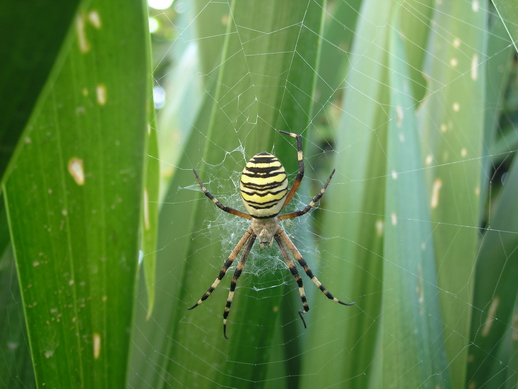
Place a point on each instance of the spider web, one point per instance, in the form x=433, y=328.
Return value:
x=178, y=348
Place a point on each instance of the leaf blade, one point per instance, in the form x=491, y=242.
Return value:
x=411, y=328
x=74, y=201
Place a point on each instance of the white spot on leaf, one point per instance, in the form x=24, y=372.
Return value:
x=436, y=189
x=474, y=67
x=100, y=92
x=379, y=227
x=491, y=316
x=84, y=46
x=393, y=216
x=75, y=168
x=97, y=345
x=399, y=115
x=94, y=19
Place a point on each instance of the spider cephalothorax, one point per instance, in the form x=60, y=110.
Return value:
x=264, y=190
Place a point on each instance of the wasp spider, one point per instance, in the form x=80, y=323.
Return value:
x=264, y=190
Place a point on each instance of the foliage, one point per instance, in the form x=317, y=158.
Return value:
x=416, y=100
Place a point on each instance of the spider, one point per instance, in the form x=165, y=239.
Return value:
x=264, y=191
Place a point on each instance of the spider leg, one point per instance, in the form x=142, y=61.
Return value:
x=225, y=267
x=311, y=203
x=218, y=204
x=295, y=273
x=239, y=268
x=302, y=262
x=300, y=174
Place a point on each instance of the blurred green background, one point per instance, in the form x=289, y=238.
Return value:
x=107, y=239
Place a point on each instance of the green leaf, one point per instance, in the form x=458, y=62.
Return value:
x=150, y=212
x=495, y=295
x=336, y=45
x=508, y=12
x=352, y=255
x=411, y=326
x=453, y=132
x=26, y=62
x=74, y=200
x=16, y=362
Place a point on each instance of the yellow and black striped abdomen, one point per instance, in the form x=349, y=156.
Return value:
x=264, y=186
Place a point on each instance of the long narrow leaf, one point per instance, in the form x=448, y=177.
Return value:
x=452, y=123
x=495, y=295
x=74, y=200
x=352, y=257
x=410, y=320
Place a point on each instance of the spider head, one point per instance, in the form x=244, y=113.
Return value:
x=265, y=229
